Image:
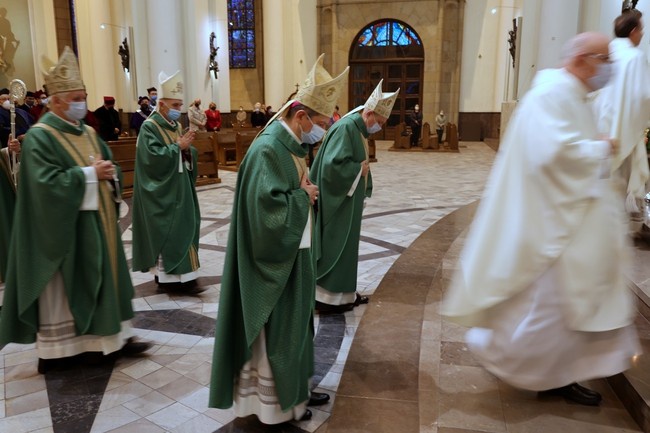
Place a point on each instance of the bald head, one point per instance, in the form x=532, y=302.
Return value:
x=584, y=43
x=586, y=56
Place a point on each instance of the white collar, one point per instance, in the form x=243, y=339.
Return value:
x=293, y=134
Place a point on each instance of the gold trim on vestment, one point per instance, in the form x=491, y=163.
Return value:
x=80, y=151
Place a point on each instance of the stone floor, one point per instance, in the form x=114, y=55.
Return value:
x=390, y=366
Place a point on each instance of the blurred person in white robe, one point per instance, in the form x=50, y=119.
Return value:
x=541, y=277
x=623, y=110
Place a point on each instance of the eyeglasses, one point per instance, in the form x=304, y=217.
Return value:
x=602, y=57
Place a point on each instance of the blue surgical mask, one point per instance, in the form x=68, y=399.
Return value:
x=601, y=78
x=76, y=110
x=154, y=97
x=314, y=136
x=174, y=114
x=44, y=101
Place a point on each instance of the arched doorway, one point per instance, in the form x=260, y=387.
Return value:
x=392, y=50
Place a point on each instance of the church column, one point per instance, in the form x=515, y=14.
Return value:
x=43, y=27
x=97, y=49
x=220, y=87
x=546, y=26
x=164, y=51
x=275, y=80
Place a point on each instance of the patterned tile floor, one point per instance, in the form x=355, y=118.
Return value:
x=167, y=390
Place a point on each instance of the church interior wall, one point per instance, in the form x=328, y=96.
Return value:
x=17, y=58
x=466, y=64
x=342, y=20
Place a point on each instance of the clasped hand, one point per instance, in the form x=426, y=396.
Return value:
x=105, y=169
x=310, y=188
x=186, y=139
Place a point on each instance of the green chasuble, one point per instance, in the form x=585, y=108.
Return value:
x=166, y=214
x=51, y=234
x=338, y=222
x=267, y=280
x=7, y=206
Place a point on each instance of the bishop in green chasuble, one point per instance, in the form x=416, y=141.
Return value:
x=336, y=170
x=56, y=243
x=268, y=280
x=166, y=214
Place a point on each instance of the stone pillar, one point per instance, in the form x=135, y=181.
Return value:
x=43, y=26
x=220, y=88
x=97, y=49
x=274, y=60
x=164, y=24
x=451, y=16
x=546, y=26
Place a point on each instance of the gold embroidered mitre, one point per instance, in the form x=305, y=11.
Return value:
x=170, y=87
x=320, y=91
x=63, y=76
x=380, y=102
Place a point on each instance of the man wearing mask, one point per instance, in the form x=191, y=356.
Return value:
x=415, y=120
x=441, y=122
x=264, y=352
x=141, y=114
x=152, y=93
x=196, y=117
x=623, y=110
x=109, y=120
x=258, y=118
x=213, y=118
x=23, y=119
x=68, y=285
x=342, y=172
x=30, y=101
x=541, y=278
x=40, y=107
x=166, y=214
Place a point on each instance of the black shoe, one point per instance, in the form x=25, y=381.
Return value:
x=318, y=398
x=47, y=365
x=361, y=300
x=333, y=309
x=306, y=416
x=187, y=288
x=134, y=348
x=575, y=393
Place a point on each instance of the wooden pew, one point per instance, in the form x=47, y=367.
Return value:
x=208, y=162
x=243, y=142
x=402, y=141
x=124, y=155
x=429, y=141
x=226, y=142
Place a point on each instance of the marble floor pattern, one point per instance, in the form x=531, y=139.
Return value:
x=167, y=391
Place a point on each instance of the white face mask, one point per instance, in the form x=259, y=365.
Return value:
x=601, y=78
x=314, y=136
x=375, y=127
x=6, y=105
x=76, y=111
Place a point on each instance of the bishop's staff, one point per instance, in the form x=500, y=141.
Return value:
x=17, y=91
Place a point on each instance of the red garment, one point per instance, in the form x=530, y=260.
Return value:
x=214, y=120
x=37, y=111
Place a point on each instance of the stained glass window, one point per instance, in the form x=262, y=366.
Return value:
x=241, y=33
x=384, y=33
x=387, y=39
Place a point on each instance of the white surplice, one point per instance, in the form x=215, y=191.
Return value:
x=623, y=112
x=549, y=205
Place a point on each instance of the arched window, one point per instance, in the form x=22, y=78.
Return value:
x=391, y=50
x=241, y=33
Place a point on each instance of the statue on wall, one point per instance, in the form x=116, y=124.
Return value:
x=512, y=41
x=629, y=5
x=213, y=65
x=8, y=43
x=123, y=51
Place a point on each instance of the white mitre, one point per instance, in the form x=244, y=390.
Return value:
x=320, y=91
x=380, y=102
x=170, y=87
